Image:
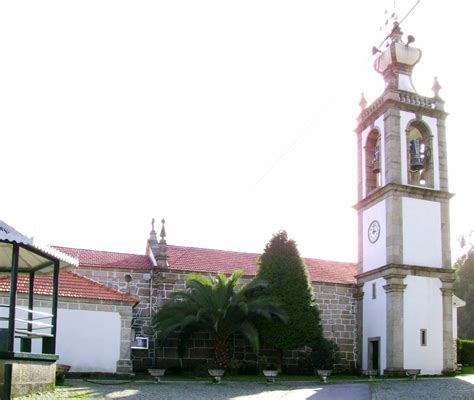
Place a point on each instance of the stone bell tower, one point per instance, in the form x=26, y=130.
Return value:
x=405, y=277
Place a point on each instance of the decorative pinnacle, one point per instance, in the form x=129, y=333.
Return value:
x=163, y=232
x=363, y=101
x=153, y=225
x=436, y=88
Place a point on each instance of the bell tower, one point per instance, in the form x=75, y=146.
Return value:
x=404, y=265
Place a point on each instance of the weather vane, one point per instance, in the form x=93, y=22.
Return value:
x=391, y=21
x=391, y=17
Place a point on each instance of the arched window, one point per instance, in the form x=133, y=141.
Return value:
x=373, y=161
x=420, y=170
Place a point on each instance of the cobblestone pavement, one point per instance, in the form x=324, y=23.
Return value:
x=459, y=388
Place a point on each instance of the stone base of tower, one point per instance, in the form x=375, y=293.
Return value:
x=413, y=328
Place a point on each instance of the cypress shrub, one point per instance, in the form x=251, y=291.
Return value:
x=289, y=284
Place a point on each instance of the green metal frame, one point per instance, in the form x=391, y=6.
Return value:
x=49, y=343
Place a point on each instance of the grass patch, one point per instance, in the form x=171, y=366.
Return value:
x=468, y=370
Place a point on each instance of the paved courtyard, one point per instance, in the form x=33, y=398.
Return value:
x=459, y=388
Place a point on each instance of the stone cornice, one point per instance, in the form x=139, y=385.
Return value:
x=398, y=189
x=391, y=271
x=401, y=100
x=394, y=287
x=447, y=291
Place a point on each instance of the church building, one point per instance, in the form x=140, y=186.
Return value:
x=394, y=310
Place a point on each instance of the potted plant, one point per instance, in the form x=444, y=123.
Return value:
x=323, y=359
x=371, y=373
x=269, y=369
x=215, y=372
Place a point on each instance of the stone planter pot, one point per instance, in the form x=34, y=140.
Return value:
x=412, y=373
x=324, y=374
x=61, y=371
x=216, y=374
x=371, y=373
x=270, y=375
x=157, y=373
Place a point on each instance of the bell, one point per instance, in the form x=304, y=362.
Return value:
x=417, y=162
x=376, y=161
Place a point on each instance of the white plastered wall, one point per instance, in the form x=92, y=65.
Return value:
x=377, y=124
x=374, y=321
x=423, y=309
x=375, y=254
x=405, y=83
x=405, y=118
x=88, y=341
x=421, y=232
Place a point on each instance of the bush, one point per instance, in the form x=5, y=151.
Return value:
x=289, y=284
x=465, y=351
x=325, y=355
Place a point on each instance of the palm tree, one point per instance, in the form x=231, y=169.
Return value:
x=216, y=305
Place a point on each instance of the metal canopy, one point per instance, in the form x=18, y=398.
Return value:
x=33, y=256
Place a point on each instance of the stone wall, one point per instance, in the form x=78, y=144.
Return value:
x=337, y=309
x=28, y=376
x=151, y=288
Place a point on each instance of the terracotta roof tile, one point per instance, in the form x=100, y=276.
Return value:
x=96, y=258
x=209, y=260
x=195, y=259
x=70, y=285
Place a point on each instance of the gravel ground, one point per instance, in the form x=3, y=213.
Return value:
x=433, y=389
x=206, y=391
x=459, y=388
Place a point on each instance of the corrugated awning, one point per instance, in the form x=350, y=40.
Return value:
x=33, y=254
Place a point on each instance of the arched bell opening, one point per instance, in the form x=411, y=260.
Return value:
x=373, y=161
x=419, y=160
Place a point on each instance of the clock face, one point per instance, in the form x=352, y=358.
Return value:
x=374, y=231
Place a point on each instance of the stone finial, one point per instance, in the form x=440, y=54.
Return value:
x=152, y=243
x=162, y=256
x=163, y=232
x=436, y=88
x=362, y=102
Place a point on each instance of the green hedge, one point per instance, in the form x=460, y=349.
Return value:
x=465, y=352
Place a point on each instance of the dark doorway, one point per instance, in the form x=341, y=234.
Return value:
x=374, y=354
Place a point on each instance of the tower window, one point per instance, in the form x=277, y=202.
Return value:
x=374, y=290
x=423, y=337
x=373, y=161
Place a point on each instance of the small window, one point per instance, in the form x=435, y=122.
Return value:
x=374, y=290
x=140, y=343
x=423, y=337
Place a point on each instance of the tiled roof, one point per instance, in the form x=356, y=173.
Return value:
x=70, y=285
x=195, y=259
x=96, y=258
x=210, y=260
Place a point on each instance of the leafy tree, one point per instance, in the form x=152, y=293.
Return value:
x=283, y=268
x=216, y=305
x=464, y=288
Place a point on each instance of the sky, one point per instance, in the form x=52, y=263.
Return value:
x=231, y=120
